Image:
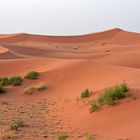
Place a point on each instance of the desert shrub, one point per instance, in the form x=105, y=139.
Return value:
x=110, y=96
x=15, y=80
x=110, y=101
x=94, y=107
x=2, y=89
x=85, y=94
x=16, y=125
x=124, y=87
x=62, y=136
x=119, y=92
x=32, y=75
x=40, y=86
x=101, y=100
x=4, y=81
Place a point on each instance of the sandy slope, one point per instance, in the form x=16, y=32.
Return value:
x=68, y=65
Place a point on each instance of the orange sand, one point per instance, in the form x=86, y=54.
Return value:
x=68, y=65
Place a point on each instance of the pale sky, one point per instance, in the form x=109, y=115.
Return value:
x=68, y=17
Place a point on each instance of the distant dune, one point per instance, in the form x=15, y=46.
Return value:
x=68, y=65
x=115, y=34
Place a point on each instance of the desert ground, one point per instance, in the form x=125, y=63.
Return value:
x=68, y=65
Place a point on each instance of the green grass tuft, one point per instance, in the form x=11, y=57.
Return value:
x=32, y=75
x=110, y=96
x=16, y=125
x=15, y=80
x=62, y=136
x=4, y=81
x=85, y=94
x=94, y=107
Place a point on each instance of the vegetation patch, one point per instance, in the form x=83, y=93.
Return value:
x=89, y=136
x=15, y=80
x=2, y=89
x=32, y=75
x=16, y=125
x=85, y=94
x=40, y=86
x=110, y=96
x=94, y=106
x=4, y=81
x=62, y=136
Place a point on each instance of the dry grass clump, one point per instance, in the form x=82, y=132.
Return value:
x=40, y=86
x=62, y=136
x=2, y=89
x=10, y=134
x=32, y=88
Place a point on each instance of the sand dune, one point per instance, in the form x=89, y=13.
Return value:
x=40, y=38
x=68, y=65
x=117, y=34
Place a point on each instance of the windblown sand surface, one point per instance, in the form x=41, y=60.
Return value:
x=68, y=65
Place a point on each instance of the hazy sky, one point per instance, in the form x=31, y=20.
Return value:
x=64, y=17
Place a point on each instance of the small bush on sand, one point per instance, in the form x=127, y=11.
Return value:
x=89, y=136
x=94, y=107
x=4, y=81
x=62, y=136
x=15, y=80
x=85, y=94
x=110, y=96
x=32, y=75
x=2, y=89
x=16, y=125
x=40, y=86
x=124, y=87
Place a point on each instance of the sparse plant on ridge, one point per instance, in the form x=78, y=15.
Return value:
x=4, y=81
x=32, y=75
x=15, y=80
x=94, y=107
x=110, y=96
x=85, y=94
